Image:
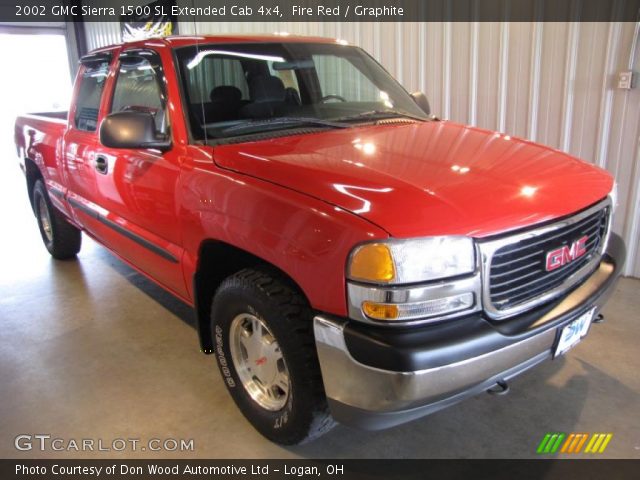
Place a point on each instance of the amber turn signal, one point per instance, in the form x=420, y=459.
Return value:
x=373, y=263
x=380, y=311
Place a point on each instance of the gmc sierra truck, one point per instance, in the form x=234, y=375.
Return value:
x=350, y=257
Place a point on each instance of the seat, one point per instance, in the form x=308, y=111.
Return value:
x=268, y=97
x=292, y=97
x=226, y=100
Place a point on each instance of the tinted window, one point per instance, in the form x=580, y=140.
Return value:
x=92, y=81
x=288, y=77
x=241, y=89
x=212, y=72
x=139, y=87
x=340, y=80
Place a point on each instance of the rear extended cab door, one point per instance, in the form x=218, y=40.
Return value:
x=81, y=138
x=136, y=188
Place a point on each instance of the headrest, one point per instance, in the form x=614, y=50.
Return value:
x=226, y=93
x=266, y=88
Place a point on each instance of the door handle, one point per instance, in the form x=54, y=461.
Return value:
x=102, y=165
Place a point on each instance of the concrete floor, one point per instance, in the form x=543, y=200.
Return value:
x=90, y=349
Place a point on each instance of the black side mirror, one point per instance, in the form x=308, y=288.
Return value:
x=421, y=99
x=132, y=130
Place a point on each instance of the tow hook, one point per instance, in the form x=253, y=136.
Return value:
x=599, y=318
x=500, y=388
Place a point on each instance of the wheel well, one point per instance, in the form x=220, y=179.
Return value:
x=33, y=174
x=217, y=261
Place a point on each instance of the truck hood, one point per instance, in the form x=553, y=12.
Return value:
x=427, y=178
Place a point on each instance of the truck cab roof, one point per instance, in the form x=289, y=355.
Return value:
x=176, y=41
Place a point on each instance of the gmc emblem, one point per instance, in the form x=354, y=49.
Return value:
x=566, y=254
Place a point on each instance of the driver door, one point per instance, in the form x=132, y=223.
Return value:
x=137, y=187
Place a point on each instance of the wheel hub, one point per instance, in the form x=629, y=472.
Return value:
x=259, y=362
x=45, y=220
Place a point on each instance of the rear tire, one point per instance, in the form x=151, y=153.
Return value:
x=263, y=334
x=62, y=239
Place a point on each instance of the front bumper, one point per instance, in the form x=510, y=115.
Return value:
x=376, y=378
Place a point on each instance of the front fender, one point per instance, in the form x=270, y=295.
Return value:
x=306, y=238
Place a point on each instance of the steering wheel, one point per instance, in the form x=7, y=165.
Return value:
x=333, y=97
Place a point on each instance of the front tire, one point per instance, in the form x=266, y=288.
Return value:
x=63, y=240
x=265, y=349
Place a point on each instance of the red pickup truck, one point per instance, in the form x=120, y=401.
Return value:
x=350, y=257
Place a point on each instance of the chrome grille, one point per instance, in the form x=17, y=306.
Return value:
x=515, y=267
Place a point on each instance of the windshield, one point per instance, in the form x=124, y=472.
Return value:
x=240, y=89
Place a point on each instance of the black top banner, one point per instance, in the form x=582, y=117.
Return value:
x=324, y=10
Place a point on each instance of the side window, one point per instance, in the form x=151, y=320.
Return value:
x=338, y=76
x=139, y=87
x=92, y=81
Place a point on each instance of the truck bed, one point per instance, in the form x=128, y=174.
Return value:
x=37, y=137
x=60, y=115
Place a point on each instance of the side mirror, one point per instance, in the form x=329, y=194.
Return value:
x=132, y=130
x=421, y=99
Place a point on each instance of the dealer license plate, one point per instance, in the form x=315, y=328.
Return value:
x=572, y=333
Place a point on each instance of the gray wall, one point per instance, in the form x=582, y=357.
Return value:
x=553, y=83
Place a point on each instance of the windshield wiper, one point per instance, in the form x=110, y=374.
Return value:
x=280, y=121
x=380, y=114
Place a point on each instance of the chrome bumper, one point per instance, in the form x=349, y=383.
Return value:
x=373, y=398
x=352, y=383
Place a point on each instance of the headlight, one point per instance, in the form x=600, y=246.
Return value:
x=413, y=281
x=412, y=261
x=614, y=197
